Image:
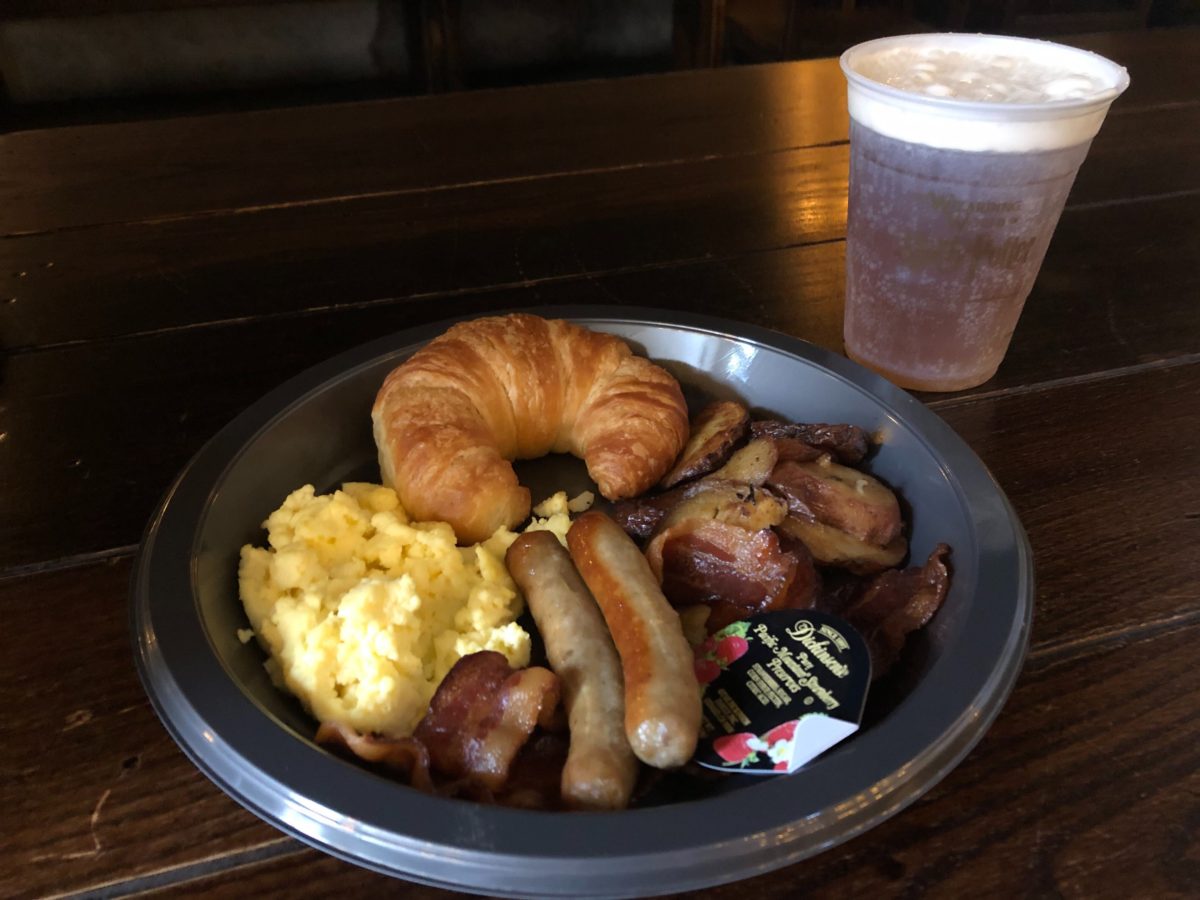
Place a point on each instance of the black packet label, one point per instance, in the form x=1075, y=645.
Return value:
x=780, y=688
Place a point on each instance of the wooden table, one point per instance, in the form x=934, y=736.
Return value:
x=158, y=277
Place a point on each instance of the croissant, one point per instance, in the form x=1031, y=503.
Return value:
x=450, y=418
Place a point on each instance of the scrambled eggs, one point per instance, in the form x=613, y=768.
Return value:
x=364, y=612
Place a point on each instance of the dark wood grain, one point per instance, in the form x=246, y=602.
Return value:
x=306, y=873
x=1085, y=524
x=1104, y=479
x=109, y=280
x=1047, y=805
x=1161, y=64
x=131, y=171
x=1110, y=293
x=70, y=177
x=86, y=765
x=139, y=408
x=1139, y=153
x=115, y=280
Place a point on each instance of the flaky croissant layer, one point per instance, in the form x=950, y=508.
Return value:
x=450, y=418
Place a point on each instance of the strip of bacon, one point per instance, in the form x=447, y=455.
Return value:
x=406, y=757
x=736, y=572
x=895, y=603
x=481, y=716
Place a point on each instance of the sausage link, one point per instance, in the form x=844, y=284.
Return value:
x=601, y=769
x=662, y=696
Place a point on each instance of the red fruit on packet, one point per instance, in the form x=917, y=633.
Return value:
x=731, y=648
x=735, y=748
x=706, y=671
x=784, y=732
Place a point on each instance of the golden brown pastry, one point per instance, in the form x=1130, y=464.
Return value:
x=449, y=419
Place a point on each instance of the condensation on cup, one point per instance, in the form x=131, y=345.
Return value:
x=963, y=149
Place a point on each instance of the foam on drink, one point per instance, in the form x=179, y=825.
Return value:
x=984, y=77
x=1019, y=94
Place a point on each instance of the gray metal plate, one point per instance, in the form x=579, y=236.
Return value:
x=216, y=701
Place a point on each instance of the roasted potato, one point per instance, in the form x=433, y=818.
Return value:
x=845, y=498
x=831, y=547
x=747, y=468
x=732, y=502
x=715, y=431
x=848, y=443
x=752, y=464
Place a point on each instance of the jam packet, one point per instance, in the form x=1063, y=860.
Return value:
x=780, y=688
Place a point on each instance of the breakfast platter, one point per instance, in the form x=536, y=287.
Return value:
x=214, y=651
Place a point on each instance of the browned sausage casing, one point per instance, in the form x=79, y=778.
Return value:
x=662, y=696
x=601, y=769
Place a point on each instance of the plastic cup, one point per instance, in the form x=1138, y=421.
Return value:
x=963, y=149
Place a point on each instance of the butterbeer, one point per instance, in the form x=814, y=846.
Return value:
x=963, y=149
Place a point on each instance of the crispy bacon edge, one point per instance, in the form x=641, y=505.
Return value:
x=406, y=757
x=893, y=604
x=736, y=572
x=475, y=735
x=482, y=714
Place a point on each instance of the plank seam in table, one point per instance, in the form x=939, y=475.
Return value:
x=335, y=199
x=66, y=563
x=194, y=871
x=1124, y=201
x=594, y=276
x=588, y=276
x=1053, y=652
x=1037, y=387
